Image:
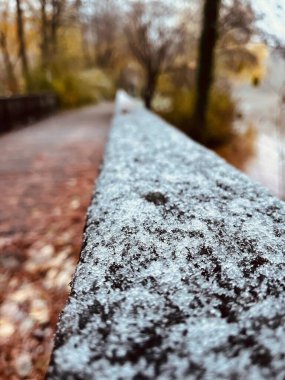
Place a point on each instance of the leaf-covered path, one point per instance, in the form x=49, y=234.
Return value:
x=47, y=173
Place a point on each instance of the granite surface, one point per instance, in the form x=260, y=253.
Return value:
x=181, y=274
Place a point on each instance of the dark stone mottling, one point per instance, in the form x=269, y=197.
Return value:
x=181, y=273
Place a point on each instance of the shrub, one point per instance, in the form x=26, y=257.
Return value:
x=73, y=88
x=220, y=116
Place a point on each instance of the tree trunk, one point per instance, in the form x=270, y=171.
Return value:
x=12, y=81
x=206, y=65
x=85, y=46
x=22, y=44
x=83, y=26
x=54, y=28
x=44, y=30
x=57, y=8
x=149, y=90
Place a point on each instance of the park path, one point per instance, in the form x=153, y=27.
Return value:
x=47, y=173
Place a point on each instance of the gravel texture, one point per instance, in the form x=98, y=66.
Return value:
x=181, y=274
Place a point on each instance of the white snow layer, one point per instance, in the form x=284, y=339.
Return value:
x=181, y=274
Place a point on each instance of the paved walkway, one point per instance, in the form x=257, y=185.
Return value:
x=47, y=173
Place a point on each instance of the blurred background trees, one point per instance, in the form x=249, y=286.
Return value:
x=85, y=49
x=154, y=39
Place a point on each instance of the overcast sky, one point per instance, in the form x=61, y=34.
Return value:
x=273, y=21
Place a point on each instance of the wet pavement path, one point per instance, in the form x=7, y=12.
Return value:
x=47, y=173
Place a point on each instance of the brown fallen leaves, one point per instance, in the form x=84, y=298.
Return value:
x=45, y=190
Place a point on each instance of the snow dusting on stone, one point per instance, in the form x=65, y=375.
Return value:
x=181, y=274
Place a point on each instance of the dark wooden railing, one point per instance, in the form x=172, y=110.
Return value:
x=23, y=109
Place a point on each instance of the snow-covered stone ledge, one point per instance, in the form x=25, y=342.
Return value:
x=182, y=270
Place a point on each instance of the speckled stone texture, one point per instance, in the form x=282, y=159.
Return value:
x=181, y=274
